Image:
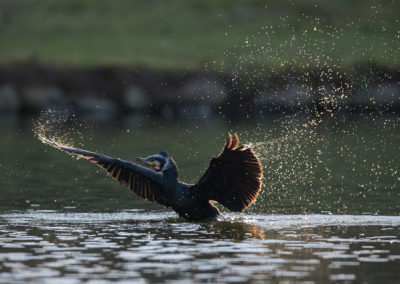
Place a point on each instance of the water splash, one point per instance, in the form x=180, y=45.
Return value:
x=57, y=127
x=291, y=154
x=326, y=165
x=339, y=131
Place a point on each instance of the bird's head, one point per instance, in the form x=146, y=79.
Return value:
x=159, y=162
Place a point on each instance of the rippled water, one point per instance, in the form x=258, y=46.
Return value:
x=141, y=246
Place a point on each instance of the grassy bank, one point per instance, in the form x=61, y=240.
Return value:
x=200, y=34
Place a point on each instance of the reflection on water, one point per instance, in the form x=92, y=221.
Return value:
x=142, y=246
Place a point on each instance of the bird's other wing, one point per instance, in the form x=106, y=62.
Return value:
x=233, y=179
x=145, y=182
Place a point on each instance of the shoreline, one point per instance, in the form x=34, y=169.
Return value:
x=106, y=93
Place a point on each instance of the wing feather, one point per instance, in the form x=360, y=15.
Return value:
x=146, y=183
x=233, y=179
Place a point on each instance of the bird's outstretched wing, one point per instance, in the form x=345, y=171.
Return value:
x=143, y=181
x=233, y=179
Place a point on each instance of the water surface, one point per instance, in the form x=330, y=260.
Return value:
x=141, y=246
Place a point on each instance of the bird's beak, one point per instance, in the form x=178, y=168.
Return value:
x=143, y=160
x=146, y=161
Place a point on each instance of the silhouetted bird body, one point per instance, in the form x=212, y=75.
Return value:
x=233, y=179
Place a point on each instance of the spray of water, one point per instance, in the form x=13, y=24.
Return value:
x=339, y=137
x=57, y=127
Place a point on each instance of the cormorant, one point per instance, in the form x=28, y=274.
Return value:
x=233, y=179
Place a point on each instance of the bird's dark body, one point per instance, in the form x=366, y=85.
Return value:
x=233, y=179
x=191, y=207
x=184, y=199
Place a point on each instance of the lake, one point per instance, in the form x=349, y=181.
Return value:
x=328, y=211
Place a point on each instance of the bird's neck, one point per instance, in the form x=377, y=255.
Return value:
x=170, y=176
